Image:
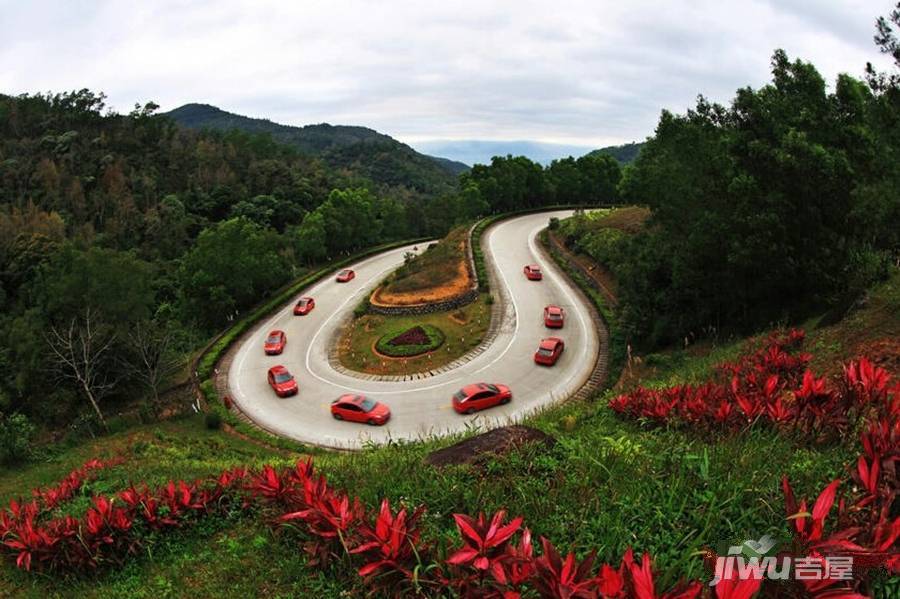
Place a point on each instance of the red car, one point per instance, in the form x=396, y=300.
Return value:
x=480, y=396
x=282, y=381
x=549, y=351
x=345, y=276
x=304, y=306
x=359, y=408
x=533, y=272
x=554, y=317
x=275, y=343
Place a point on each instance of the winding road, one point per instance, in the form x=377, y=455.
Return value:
x=421, y=407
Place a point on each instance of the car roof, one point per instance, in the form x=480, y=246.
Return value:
x=473, y=388
x=278, y=368
x=276, y=332
x=534, y=267
x=552, y=308
x=305, y=298
x=550, y=342
x=352, y=398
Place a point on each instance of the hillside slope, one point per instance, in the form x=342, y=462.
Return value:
x=626, y=153
x=362, y=151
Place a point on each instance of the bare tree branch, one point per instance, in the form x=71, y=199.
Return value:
x=80, y=354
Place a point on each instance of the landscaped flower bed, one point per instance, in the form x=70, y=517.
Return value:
x=410, y=342
x=772, y=385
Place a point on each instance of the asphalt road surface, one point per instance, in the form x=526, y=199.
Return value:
x=421, y=408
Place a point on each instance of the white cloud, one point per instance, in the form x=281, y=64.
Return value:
x=570, y=71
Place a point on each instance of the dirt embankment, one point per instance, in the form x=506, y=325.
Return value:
x=440, y=273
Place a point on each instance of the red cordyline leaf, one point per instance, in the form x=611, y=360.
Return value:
x=391, y=543
x=737, y=589
x=868, y=475
x=611, y=581
x=485, y=540
x=269, y=485
x=557, y=578
x=519, y=567
x=642, y=584
x=870, y=382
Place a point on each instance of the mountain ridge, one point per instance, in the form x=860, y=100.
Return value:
x=359, y=149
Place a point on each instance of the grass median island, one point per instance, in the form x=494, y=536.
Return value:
x=365, y=345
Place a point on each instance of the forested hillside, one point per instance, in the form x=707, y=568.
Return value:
x=138, y=238
x=625, y=154
x=783, y=203
x=357, y=151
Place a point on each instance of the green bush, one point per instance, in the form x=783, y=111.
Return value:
x=362, y=309
x=213, y=421
x=16, y=433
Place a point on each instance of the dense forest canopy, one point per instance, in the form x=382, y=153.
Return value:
x=783, y=203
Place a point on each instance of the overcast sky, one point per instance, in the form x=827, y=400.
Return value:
x=591, y=73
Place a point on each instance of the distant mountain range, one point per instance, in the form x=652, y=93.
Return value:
x=358, y=150
x=366, y=153
x=473, y=151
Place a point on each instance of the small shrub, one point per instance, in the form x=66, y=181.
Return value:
x=362, y=309
x=213, y=421
x=553, y=224
x=16, y=433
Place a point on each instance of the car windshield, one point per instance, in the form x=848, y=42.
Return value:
x=535, y=269
x=367, y=405
x=302, y=302
x=459, y=395
x=492, y=388
x=555, y=316
x=273, y=339
x=282, y=377
x=344, y=273
x=545, y=352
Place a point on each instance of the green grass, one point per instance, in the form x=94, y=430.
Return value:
x=463, y=330
x=432, y=268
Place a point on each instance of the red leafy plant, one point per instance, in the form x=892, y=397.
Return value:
x=772, y=385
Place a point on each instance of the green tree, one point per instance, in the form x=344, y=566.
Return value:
x=309, y=239
x=230, y=268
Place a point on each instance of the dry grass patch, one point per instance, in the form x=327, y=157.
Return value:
x=440, y=273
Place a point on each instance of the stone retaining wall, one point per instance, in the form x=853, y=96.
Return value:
x=415, y=309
